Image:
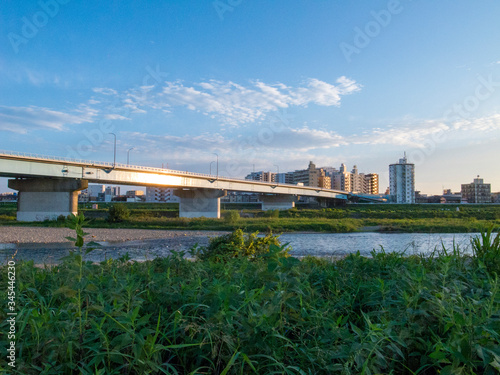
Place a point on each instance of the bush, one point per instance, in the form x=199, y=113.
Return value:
x=118, y=213
x=272, y=214
x=238, y=245
x=231, y=217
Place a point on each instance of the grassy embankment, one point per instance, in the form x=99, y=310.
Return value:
x=380, y=217
x=269, y=314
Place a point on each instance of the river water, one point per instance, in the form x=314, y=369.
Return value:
x=317, y=244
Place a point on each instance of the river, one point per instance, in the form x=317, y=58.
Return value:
x=318, y=244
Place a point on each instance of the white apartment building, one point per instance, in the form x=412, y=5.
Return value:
x=402, y=181
x=158, y=194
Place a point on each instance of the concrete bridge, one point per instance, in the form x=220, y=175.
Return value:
x=48, y=186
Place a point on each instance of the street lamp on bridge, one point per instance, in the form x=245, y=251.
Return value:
x=128, y=154
x=114, y=152
x=217, y=164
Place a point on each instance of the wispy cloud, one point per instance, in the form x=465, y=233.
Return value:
x=404, y=134
x=232, y=103
x=483, y=124
x=104, y=91
x=409, y=133
x=24, y=119
x=236, y=104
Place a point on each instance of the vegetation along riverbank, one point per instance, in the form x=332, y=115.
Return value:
x=356, y=217
x=244, y=306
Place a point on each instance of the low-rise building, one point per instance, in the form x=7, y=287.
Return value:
x=262, y=176
x=161, y=195
x=8, y=197
x=476, y=192
x=240, y=197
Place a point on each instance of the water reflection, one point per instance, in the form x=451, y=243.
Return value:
x=318, y=244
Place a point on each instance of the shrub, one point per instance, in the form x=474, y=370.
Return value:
x=272, y=214
x=118, y=213
x=231, y=217
x=238, y=245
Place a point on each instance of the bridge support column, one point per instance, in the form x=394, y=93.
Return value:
x=199, y=202
x=42, y=199
x=277, y=202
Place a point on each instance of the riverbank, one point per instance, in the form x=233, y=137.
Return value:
x=352, y=218
x=273, y=314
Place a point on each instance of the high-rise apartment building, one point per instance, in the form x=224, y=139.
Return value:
x=353, y=181
x=312, y=176
x=402, y=181
x=325, y=177
x=477, y=192
x=371, y=183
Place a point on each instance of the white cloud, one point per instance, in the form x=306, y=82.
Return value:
x=417, y=133
x=300, y=140
x=24, y=119
x=115, y=117
x=482, y=124
x=104, y=91
x=171, y=143
x=230, y=102
x=235, y=104
x=411, y=135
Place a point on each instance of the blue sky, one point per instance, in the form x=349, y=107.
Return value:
x=260, y=83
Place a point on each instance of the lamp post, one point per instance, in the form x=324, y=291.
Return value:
x=128, y=154
x=217, y=164
x=114, y=152
x=211, y=167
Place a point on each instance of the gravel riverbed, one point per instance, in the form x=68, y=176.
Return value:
x=26, y=235
x=49, y=245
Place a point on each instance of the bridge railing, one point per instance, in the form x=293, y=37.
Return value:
x=140, y=168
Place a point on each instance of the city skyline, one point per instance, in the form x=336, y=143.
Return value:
x=257, y=83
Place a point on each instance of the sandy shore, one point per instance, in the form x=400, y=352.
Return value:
x=54, y=235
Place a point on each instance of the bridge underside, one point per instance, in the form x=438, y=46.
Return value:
x=42, y=199
x=277, y=202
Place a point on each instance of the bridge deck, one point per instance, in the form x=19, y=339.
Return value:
x=22, y=165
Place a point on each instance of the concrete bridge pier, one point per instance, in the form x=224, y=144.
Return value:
x=199, y=202
x=42, y=199
x=277, y=202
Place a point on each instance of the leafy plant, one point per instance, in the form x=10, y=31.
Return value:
x=118, y=213
x=238, y=245
x=486, y=250
x=231, y=217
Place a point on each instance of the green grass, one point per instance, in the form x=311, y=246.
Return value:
x=354, y=217
x=385, y=314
